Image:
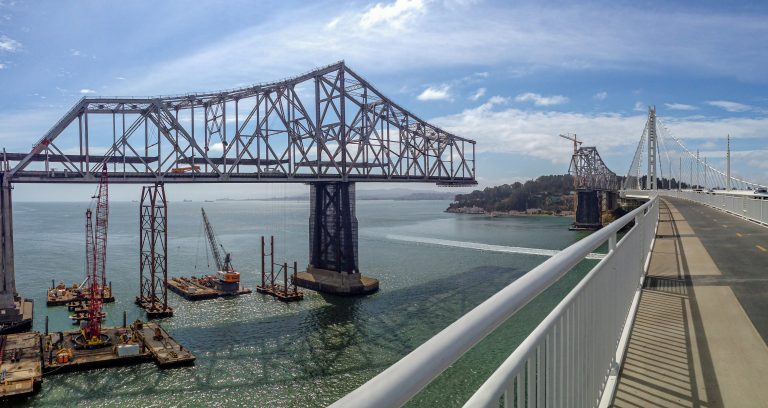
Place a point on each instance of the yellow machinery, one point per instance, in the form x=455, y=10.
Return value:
x=179, y=170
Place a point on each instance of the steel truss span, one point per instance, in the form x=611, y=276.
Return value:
x=329, y=124
x=590, y=171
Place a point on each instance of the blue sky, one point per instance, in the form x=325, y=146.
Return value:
x=512, y=75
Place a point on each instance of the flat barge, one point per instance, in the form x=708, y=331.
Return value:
x=199, y=289
x=26, y=357
x=20, y=364
x=62, y=295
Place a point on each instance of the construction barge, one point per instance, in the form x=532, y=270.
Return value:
x=202, y=288
x=26, y=357
x=270, y=283
x=225, y=283
x=62, y=295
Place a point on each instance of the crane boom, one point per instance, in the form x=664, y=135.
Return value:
x=221, y=263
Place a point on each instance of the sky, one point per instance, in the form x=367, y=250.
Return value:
x=510, y=75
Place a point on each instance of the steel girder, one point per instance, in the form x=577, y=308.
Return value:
x=590, y=171
x=326, y=125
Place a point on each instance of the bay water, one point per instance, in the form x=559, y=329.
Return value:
x=256, y=351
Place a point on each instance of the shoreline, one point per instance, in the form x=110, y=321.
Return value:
x=513, y=213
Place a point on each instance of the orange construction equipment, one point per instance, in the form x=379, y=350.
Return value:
x=178, y=170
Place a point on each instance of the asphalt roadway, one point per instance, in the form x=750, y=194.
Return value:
x=739, y=248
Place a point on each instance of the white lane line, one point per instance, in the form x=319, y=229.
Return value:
x=484, y=247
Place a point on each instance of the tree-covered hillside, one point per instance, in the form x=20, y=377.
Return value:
x=550, y=193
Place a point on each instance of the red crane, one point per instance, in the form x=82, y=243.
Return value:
x=96, y=254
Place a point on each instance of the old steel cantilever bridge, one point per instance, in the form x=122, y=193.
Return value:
x=673, y=315
x=329, y=128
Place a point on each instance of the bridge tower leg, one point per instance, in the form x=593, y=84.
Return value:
x=153, y=247
x=333, y=261
x=15, y=312
x=651, y=180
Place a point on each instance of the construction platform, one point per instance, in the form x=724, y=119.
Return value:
x=192, y=289
x=154, y=310
x=138, y=343
x=58, y=296
x=20, y=364
x=336, y=283
x=26, y=357
x=280, y=293
x=23, y=321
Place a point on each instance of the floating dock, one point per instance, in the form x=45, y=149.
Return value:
x=281, y=293
x=193, y=289
x=137, y=343
x=62, y=295
x=20, y=364
x=26, y=357
x=154, y=310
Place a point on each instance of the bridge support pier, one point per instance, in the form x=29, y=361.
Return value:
x=333, y=262
x=587, y=210
x=15, y=312
x=590, y=207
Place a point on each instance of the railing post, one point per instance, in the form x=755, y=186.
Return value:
x=612, y=243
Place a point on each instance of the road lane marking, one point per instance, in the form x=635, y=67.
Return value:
x=761, y=248
x=738, y=234
x=725, y=226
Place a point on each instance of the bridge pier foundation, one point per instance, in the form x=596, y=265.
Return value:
x=333, y=262
x=15, y=312
x=590, y=207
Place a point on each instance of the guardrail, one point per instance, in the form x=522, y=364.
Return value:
x=569, y=359
x=753, y=209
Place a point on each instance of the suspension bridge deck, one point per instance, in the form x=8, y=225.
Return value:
x=700, y=330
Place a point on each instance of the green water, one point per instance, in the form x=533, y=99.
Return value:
x=256, y=351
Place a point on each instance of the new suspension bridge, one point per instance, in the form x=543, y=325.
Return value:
x=672, y=316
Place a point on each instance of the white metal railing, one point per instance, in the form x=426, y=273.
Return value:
x=569, y=359
x=753, y=209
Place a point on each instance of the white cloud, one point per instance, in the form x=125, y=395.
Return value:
x=478, y=94
x=730, y=106
x=540, y=100
x=534, y=133
x=639, y=107
x=393, y=15
x=9, y=44
x=2, y=66
x=75, y=53
x=441, y=93
x=680, y=106
x=87, y=91
x=600, y=96
x=522, y=37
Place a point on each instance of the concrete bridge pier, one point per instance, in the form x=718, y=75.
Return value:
x=15, y=312
x=590, y=207
x=588, y=210
x=333, y=260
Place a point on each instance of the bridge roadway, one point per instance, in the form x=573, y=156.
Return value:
x=699, y=338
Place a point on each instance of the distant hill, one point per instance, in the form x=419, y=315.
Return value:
x=399, y=194
x=548, y=193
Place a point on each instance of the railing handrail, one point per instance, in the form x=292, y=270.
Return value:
x=488, y=393
x=408, y=376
